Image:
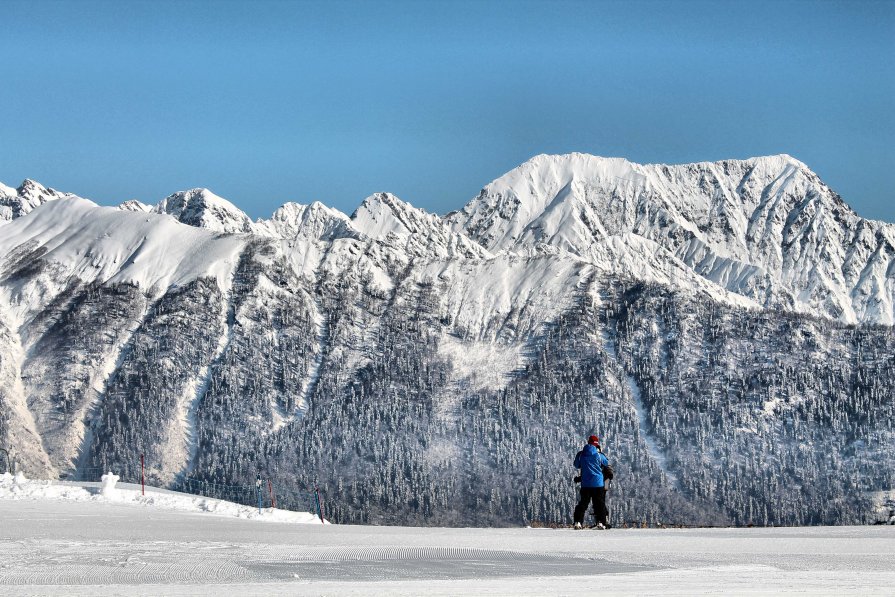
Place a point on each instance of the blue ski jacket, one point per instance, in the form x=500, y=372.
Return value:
x=591, y=462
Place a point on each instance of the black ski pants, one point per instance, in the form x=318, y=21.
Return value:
x=597, y=495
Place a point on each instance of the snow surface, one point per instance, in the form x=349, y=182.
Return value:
x=62, y=539
x=385, y=218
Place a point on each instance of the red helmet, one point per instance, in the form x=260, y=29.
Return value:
x=593, y=440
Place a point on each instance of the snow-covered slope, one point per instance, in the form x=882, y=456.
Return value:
x=76, y=240
x=765, y=228
x=63, y=258
x=95, y=546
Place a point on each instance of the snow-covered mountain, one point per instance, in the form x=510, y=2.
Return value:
x=135, y=205
x=706, y=319
x=420, y=235
x=204, y=209
x=765, y=228
x=315, y=222
x=15, y=203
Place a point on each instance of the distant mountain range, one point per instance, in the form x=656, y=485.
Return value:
x=721, y=324
x=766, y=229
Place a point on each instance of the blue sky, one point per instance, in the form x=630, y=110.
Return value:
x=267, y=102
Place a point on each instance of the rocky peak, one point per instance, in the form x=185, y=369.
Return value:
x=134, y=205
x=203, y=209
x=15, y=203
x=386, y=218
x=315, y=221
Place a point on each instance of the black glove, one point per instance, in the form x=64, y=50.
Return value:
x=578, y=479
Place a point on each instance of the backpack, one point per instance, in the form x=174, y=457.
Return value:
x=608, y=473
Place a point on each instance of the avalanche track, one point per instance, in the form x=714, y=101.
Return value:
x=652, y=445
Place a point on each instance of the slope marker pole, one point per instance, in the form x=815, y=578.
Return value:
x=319, y=506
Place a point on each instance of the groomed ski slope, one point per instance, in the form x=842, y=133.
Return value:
x=70, y=540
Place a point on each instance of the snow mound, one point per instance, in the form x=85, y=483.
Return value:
x=108, y=485
x=18, y=487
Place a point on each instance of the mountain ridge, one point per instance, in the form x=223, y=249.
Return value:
x=765, y=228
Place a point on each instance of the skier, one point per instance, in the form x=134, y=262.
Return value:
x=591, y=461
